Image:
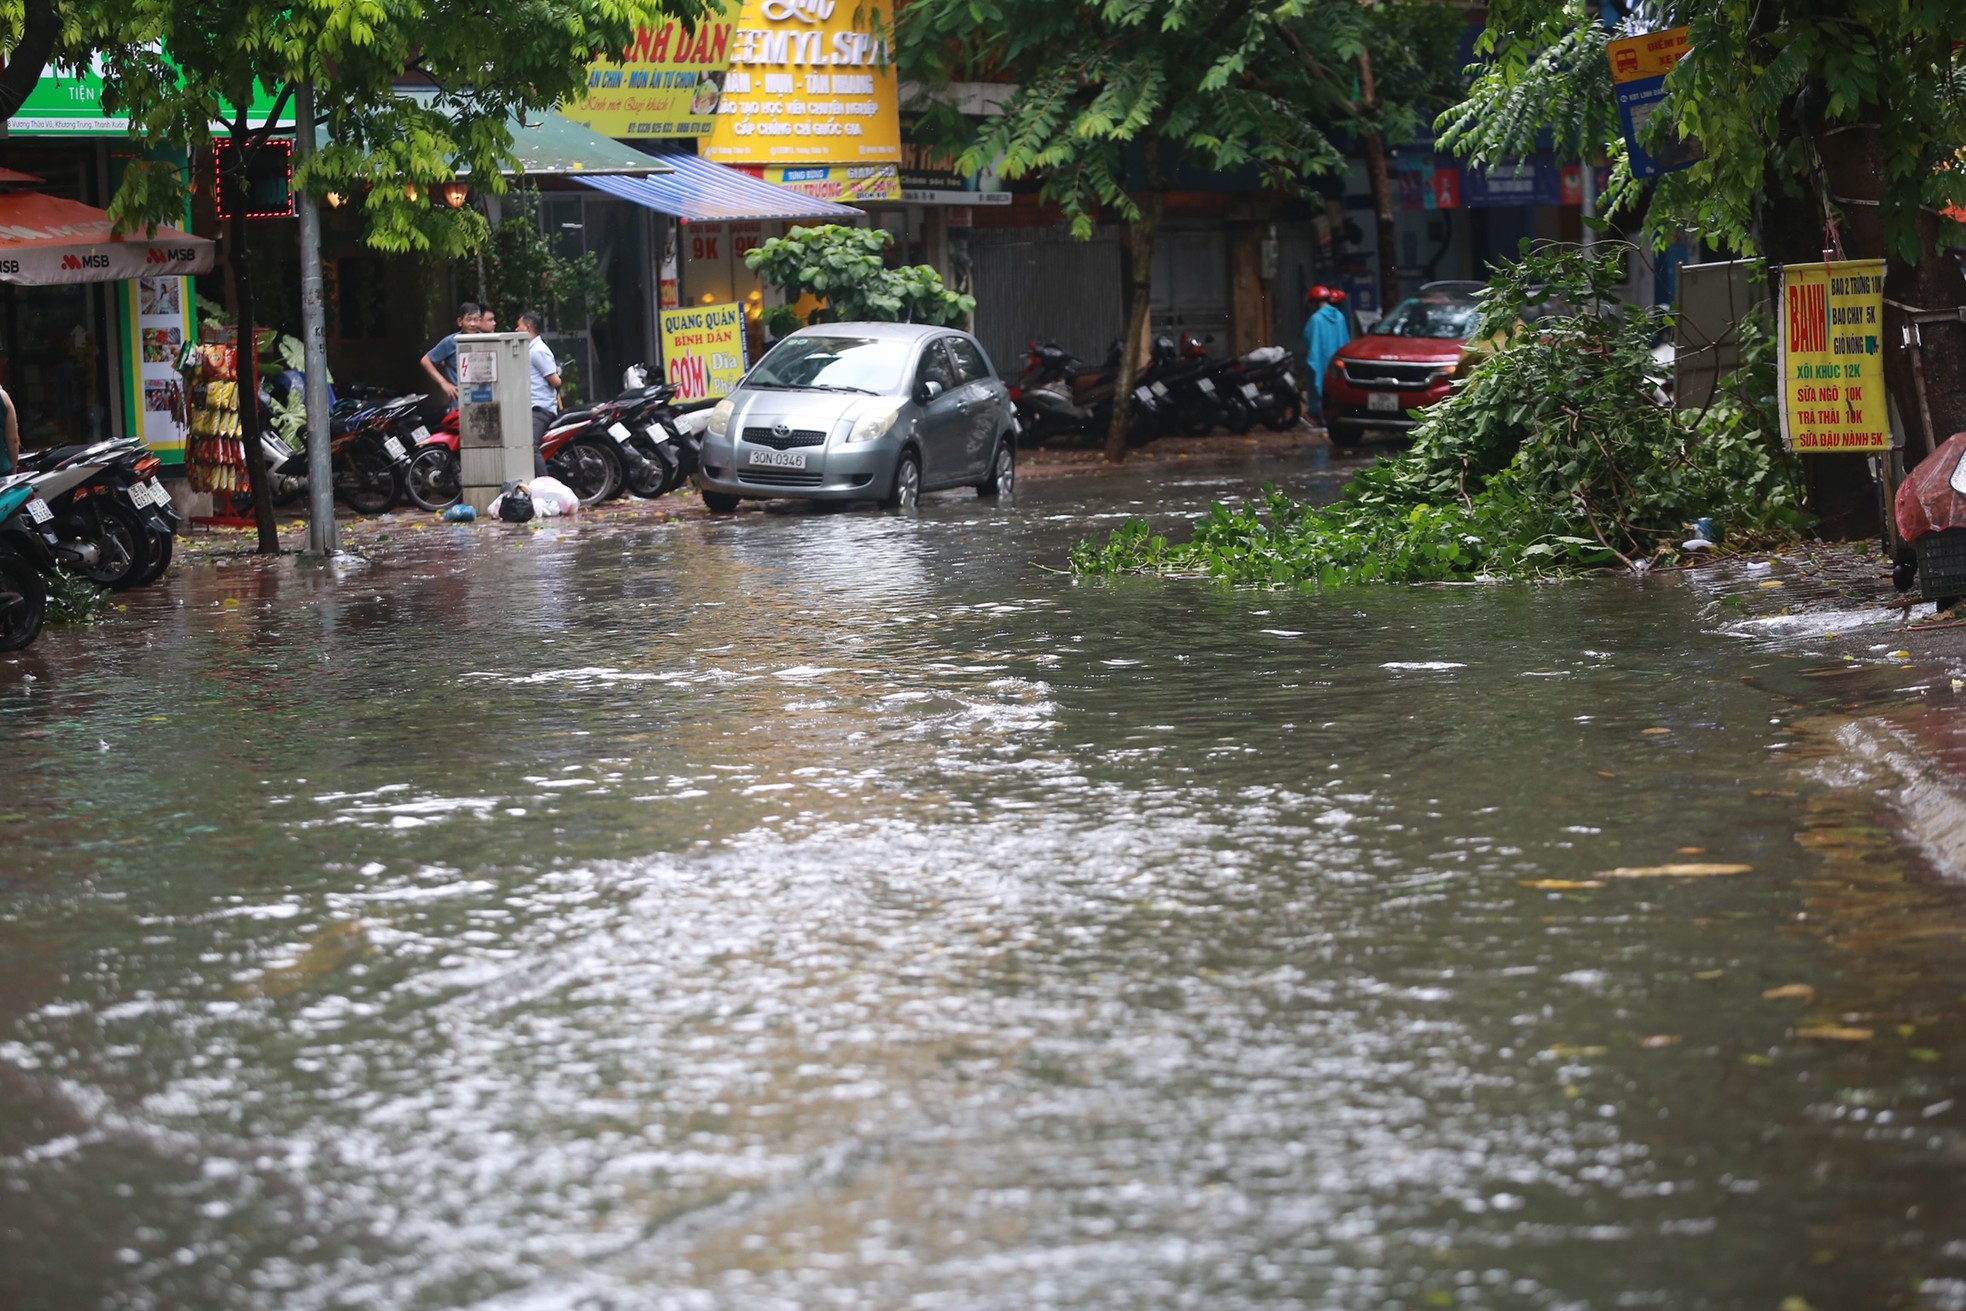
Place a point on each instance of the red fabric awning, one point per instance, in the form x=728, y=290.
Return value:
x=45, y=240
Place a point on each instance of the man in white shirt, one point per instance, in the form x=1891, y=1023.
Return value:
x=545, y=385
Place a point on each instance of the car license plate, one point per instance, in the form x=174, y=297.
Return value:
x=780, y=459
x=1250, y=390
x=1160, y=389
x=37, y=510
x=158, y=496
x=618, y=431
x=420, y=433
x=394, y=447
x=1382, y=402
x=1205, y=385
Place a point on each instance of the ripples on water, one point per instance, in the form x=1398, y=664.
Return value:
x=825, y=910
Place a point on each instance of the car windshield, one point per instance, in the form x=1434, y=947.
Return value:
x=1430, y=316
x=869, y=364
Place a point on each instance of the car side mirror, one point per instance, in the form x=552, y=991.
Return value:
x=927, y=391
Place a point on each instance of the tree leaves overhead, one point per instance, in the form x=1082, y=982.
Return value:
x=1761, y=83
x=176, y=66
x=1222, y=85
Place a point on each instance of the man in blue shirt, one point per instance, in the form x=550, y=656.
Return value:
x=545, y=385
x=440, y=361
x=1324, y=332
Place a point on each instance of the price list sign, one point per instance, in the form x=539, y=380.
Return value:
x=1831, y=364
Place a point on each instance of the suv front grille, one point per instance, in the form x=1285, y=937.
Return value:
x=797, y=437
x=1390, y=373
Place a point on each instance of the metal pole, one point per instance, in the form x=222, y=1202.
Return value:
x=314, y=339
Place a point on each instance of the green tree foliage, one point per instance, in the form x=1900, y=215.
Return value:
x=1554, y=455
x=844, y=267
x=1851, y=110
x=1110, y=95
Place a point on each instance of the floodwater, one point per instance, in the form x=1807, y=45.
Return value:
x=838, y=910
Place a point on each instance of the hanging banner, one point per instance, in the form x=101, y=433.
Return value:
x=704, y=350
x=158, y=311
x=1832, y=371
x=668, y=83
x=810, y=82
x=70, y=104
x=843, y=184
x=1639, y=65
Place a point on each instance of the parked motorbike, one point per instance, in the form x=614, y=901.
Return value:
x=370, y=445
x=111, y=519
x=26, y=560
x=1267, y=379
x=1179, y=379
x=1059, y=394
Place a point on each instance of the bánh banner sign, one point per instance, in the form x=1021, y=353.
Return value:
x=668, y=83
x=810, y=82
x=1832, y=371
x=703, y=350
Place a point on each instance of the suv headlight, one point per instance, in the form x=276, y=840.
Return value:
x=874, y=425
x=720, y=418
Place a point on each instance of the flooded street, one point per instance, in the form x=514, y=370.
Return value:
x=838, y=910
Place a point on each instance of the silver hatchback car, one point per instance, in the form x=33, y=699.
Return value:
x=862, y=411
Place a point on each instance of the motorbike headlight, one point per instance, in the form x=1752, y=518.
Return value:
x=874, y=425
x=720, y=418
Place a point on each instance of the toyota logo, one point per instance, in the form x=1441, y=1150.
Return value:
x=781, y=430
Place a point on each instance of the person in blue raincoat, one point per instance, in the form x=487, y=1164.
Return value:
x=1324, y=332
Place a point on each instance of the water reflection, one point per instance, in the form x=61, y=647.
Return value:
x=812, y=910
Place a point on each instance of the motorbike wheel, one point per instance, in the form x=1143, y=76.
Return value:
x=123, y=544
x=656, y=476
x=1140, y=429
x=432, y=480
x=1237, y=417
x=160, y=560
x=591, y=470
x=366, y=490
x=23, y=602
x=1284, y=417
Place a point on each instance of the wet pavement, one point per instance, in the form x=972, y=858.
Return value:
x=844, y=909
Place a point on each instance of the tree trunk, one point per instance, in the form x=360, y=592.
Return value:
x=40, y=26
x=1139, y=306
x=249, y=415
x=1373, y=144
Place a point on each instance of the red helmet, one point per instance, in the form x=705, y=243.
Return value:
x=1318, y=295
x=1337, y=296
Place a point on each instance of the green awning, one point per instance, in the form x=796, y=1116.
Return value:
x=552, y=145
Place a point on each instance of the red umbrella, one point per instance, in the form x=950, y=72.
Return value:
x=1932, y=498
x=45, y=240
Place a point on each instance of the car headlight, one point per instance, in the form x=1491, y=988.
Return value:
x=874, y=425
x=720, y=418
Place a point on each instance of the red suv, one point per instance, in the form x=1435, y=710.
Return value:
x=1406, y=361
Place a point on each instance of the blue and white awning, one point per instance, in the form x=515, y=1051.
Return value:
x=699, y=191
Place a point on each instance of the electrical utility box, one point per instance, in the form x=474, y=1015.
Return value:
x=494, y=414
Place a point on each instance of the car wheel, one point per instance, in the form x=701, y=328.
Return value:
x=1002, y=482
x=1345, y=436
x=906, y=492
x=719, y=502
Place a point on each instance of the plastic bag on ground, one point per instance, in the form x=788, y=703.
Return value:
x=552, y=497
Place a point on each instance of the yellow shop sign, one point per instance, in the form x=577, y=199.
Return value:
x=810, y=82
